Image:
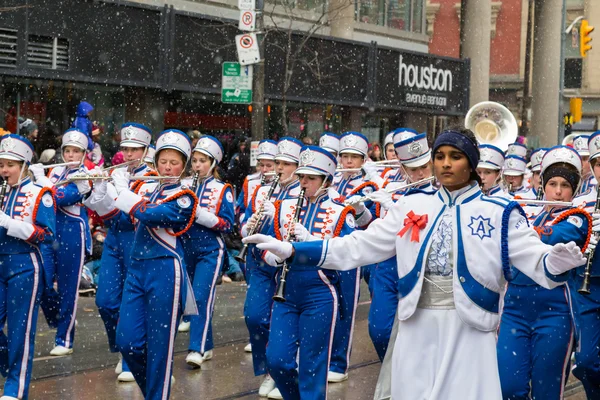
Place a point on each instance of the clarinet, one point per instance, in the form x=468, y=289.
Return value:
x=587, y=274
x=540, y=193
x=290, y=237
x=3, y=190
x=241, y=257
x=195, y=180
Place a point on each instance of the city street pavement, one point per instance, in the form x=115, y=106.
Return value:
x=89, y=372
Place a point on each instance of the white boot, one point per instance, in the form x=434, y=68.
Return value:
x=248, y=348
x=335, y=377
x=125, y=376
x=8, y=398
x=119, y=367
x=194, y=359
x=275, y=394
x=184, y=327
x=61, y=351
x=208, y=355
x=266, y=387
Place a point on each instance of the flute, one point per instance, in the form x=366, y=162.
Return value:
x=65, y=164
x=392, y=190
x=106, y=178
x=290, y=237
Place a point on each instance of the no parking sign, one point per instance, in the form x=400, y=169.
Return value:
x=247, y=48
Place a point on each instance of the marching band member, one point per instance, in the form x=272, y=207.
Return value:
x=303, y=325
x=156, y=289
x=353, y=153
x=580, y=144
x=149, y=157
x=330, y=142
x=513, y=174
x=73, y=239
x=536, y=333
x=536, y=165
x=586, y=308
x=491, y=160
x=262, y=282
x=415, y=157
x=203, y=244
x=265, y=162
x=116, y=254
x=449, y=297
x=27, y=219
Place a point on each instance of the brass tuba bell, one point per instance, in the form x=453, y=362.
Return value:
x=492, y=124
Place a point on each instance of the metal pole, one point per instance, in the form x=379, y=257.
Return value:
x=258, y=82
x=526, y=103
x=561, y=132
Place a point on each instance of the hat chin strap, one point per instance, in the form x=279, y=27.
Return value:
x=322, y=187
x=21, y=174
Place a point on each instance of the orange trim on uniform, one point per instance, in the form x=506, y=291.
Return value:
x=223, y=190
x=362, y=186
x=245, y=191
x=36, y=229
x=385, y=171
x=342, y=219
x=253, y=197
x=193, y=216
x=276, y=226
x=582, y=213
x=135, y=188
x=110, y=214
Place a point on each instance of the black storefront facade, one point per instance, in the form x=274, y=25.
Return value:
x=162, y=67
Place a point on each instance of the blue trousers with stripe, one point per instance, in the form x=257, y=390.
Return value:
x=148, y=322
x=383, y=304
x=586, y=313
x=534, y=342
x=257, y=309
x=349, y=292
x=21, y=284
x=303, y=325
x=204, y=267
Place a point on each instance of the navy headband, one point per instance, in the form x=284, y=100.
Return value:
x=460, y=142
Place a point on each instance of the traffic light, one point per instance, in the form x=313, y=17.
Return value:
x=575, y=107
x=584, y=37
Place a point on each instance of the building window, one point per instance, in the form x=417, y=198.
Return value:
x=573, y=70
x=8, y=48
x=47, y=52
x=405, y=15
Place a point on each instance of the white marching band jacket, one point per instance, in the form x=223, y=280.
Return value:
x=406, y=231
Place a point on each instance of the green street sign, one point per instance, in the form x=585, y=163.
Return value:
x=236, y=83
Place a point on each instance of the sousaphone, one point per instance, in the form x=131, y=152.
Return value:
x=568, y=140
x=492, y=124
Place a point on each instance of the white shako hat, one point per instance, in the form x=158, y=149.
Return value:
x=288, y=149
x=316, y=160
x=176, y=140
x=210, y=146
x=149, y=158
x=490, y=157
x=330, y=142
x=16, y=147
x=354, y=143
x=414, y=151
x=536, y=159
x=389, y=139
x=401, y=134
x=267, y=150
x=561, y=154
x=517, y=149
x=135, y=135
x=74, y=137
x=514, y=166
x=594, y=145
x=580, y=144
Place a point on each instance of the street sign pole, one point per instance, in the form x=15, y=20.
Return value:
x=258, y=98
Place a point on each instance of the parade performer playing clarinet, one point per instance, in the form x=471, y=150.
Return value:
x=453, y=248
x=27, y=219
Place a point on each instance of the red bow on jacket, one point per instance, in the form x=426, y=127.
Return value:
x=416, y=222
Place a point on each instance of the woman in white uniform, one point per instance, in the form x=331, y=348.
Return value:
x=449, y=297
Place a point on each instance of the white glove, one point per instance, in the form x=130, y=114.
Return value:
x=358, y=206
x=302, y=234
x=4, y=219
x=272, y=259
x=592, y=244
x=371, y=170
x=120, y=179
x=564, y=257
x=268, y=209
x=283, y=250
x=205, y=217
x=99, y=191
x=252, y=221
x=37, y=170
x=596, y=222
x=382, y=197
x=83, y=186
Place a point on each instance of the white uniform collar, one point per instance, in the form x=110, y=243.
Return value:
x=459, y=196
